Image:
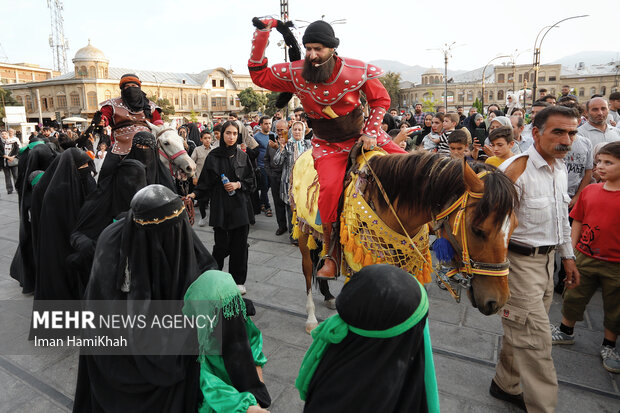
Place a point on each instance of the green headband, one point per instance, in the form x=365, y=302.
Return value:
x=30, y=145
x=36, y=179
x=334, y=330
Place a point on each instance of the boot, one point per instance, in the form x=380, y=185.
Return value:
x=329, y=270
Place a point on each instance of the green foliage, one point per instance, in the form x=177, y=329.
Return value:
x=428, y=105
x=478, y=105
x=166, y=106
x=193, y=117
x=251, y=100
x=270, y=105
x=6, y=99
x=391, y=82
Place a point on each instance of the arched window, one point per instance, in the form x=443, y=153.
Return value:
x=83, y=71
x=500, y=78
x=74, y=99
x=490, y=95
x=62, y=100
x=92, y=73
x=582, y=92
x=592, y=91
x=603, y=90
x=470, y=96
x=92, y=100
x=107, y=95
x=500, y=95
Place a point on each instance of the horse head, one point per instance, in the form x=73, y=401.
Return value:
x=172, y=149
x=478, y=227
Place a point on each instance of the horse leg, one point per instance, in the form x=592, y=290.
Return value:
x=307, y=268
x=329, y=299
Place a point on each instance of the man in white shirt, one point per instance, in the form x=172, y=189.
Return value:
x=521, y=144
x=596, y=128
x=525, y=374
x=537, y=106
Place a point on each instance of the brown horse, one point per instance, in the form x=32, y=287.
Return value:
x=419, y=187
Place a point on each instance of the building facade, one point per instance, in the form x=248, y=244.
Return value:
x=205, y=95
x=11, y=73
x=500, y=81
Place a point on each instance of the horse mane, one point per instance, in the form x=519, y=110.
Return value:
x=429, y=182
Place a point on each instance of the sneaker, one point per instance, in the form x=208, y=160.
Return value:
x=560, y=337
x=241, y=288
x=611, y=360
x=202, y=222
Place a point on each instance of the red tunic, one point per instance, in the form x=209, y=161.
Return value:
x=340, y=94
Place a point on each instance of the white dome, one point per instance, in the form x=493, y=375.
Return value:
x=432, y=71
x=89, y=53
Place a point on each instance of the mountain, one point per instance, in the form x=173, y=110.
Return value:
x=410, y=73
x=589, y=58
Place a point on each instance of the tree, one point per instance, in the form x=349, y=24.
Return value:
x=166, y=107
x=6, y=99
x=251, y=100
x=428, y=104
x=478, y=105
x=193, y=117
x=391, y=82
x=270, y=105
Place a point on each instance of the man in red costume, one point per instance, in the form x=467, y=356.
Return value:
x=329, y=89
x=127, y=115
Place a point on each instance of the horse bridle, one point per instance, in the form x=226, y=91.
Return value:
x=170, y=158
x=463, y=273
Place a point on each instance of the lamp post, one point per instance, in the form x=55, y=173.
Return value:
x=537, y=46
x=483, y=77
x=447, y=48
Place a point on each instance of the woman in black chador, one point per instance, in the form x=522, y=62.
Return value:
x=375, y=354
x=152, y=254
x=230, y=203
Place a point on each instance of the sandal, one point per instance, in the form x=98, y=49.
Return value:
x=268, y=213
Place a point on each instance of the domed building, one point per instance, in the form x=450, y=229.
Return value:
x=432, y=77
x=202, y=96
x=90, y=63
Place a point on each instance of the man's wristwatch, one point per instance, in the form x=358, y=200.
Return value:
x=569, y=257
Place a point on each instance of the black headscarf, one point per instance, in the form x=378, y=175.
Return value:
x=67, y=190
x=193, y=134
x=389, y=121
x=162, y=260
x=136, y=100
x=388, y=374
x=110, y=199
x=37, y=158
x=224, y=151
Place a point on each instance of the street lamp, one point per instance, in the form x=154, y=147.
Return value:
x=446, y=54
x=483, y=77
x=537, y=45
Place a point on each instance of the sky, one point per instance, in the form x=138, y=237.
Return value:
x=195, y=35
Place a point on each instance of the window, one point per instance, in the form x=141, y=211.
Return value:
x=490, y=95
x=232, y=101
x=195, y=99
x=28, y=103
x=552, y=78
x=92, y=100
x=214, y=83
x=75, y=100
x=520, y=77
x=510, y=77
x=107, y=95
x=44, y=104
x=203, y=99
x=185, y=100
x=221, y=82
x=62, y=101
x=541, y=78
x=582, y=92
x=176, y=101
x=213, y=102
x=91, y=72
x=500, y=78
x=83, y=71
x=461, y=97
x=603, y=90
x=592, y=91
x=470, y=96
x=500, y=95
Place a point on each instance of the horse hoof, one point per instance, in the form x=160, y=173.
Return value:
x=310, y=327
x=331, y=303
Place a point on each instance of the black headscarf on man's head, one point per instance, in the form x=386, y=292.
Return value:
x=136, y=100
x=63, y=199
x=37, y=158
x=138, y=260
x=387, y=374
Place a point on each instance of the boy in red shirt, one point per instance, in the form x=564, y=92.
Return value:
x=597, y=240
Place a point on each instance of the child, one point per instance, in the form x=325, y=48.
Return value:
x=231, y=346
x=450, y=121
x=99, y=159
x=458, y=144
x=597, y=240
x=430, y=141
x=199, y=155
x=501, y=144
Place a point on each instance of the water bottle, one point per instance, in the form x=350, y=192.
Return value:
x=225, y=181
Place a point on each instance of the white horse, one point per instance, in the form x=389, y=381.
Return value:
x=172, y=151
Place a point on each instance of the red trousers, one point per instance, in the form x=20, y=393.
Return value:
x=330, y=162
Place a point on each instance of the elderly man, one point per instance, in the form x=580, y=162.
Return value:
x=596, y=128
x=274, y=171
x=329, y=89
x=522, y=144
x=525, y=375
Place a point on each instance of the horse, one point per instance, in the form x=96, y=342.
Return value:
x=172, y=151
x=401, y=194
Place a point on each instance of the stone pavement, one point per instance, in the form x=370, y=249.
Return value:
x=466, y=343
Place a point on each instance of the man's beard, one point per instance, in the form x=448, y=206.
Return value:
x=319, y=74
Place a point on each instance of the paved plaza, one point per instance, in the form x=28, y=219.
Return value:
x=466, y=343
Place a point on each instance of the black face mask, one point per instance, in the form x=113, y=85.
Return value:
x=144, y=155
x=134, y=98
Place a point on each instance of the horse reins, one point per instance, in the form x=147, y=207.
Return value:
x=165, y=155
x=469, y=267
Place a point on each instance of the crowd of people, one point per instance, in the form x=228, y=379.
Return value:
x=102, y=218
